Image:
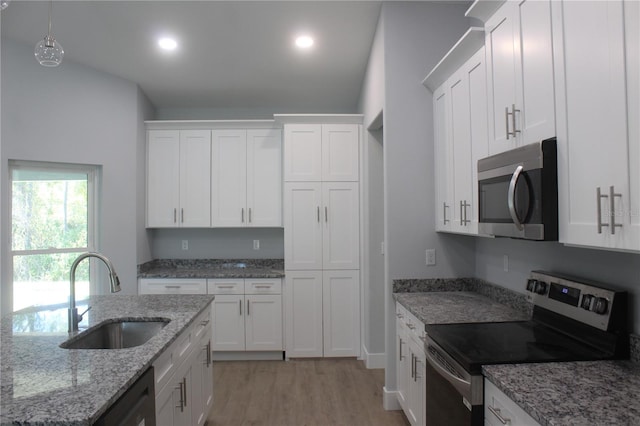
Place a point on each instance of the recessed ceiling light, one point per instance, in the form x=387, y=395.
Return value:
x=304, y=42
x=167, y=43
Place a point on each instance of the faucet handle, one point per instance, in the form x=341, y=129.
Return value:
x=80, y=315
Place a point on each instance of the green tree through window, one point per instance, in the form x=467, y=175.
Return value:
x=51, y=223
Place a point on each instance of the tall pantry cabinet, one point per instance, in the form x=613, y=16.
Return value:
x=322, y=236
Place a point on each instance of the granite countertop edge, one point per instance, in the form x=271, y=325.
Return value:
x=212, y=268
x=88, y=408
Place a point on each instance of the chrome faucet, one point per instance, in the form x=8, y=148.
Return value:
x=74, y=317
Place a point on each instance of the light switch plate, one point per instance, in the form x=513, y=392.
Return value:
x=256, y=244
x=430, y=257
x=185, y=244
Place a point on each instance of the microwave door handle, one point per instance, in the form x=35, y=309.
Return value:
x=511, y=198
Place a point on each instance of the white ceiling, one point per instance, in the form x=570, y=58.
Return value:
x=233, y=54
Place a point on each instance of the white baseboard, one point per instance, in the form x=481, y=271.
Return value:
x=247, y=356
x=373, y=360
x=390, y=400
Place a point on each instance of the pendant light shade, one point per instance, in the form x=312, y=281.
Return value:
x=49, y=52
x=4, y=4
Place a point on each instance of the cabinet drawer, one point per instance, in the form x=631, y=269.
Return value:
x=262, y=286
x=172, y=286
x=224, y=286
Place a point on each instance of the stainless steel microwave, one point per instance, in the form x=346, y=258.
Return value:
x=518, y=193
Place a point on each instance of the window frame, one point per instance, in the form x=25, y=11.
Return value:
x=93, y=173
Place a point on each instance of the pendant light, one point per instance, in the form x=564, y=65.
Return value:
x=48, y=51
x=4, y=4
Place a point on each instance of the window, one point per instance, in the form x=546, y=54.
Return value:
x=52, y=222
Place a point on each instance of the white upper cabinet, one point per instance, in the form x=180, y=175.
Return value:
x=460, y=140
x=178, y=180
x=321, y=152
x=520, y=74
x=246, y=178
x=264, y=177
x=597, y=103
x=229, y=178
x=340, y=153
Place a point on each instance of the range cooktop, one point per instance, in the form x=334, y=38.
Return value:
x=572, y=321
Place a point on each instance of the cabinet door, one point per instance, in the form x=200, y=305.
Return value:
x=172, y=402
x=264, y=177
x=592, y=123
x=263, y=322
x=477, y=81
x=340, y=153
x=535, y=91
x=201, y=397
x=341, y=225
x=416, y=385
x=458, y=87
x=503, y=51
x=302, y=152
x=402, y=363
x=303, y=226
x=228, y=323
x=443, y=158
x=341, y=313
x=229, y=178
x=632, y=43
x=303, y=313
x=163, y=177
x=195, y=178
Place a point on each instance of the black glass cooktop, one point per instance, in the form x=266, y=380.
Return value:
x=476, y=344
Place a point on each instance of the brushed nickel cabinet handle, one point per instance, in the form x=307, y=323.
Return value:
x=400, y=351
x=326, y=214
x=249, y=214
x=184, y=381
x=248, y=307
x=182, y=215
x=612, y=210
x=175, y=215
x=242, y=215
x=496, y=412
x=240, y=304
x=181, y=406
x=444, y=211
x=513, y=119
x=599, y=197
x=318, y=213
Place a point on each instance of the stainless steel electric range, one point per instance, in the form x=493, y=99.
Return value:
x=573, y=320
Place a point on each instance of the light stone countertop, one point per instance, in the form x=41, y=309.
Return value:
x=43, y=384
x=573, y=393
x=457, y=307
x=212, y=268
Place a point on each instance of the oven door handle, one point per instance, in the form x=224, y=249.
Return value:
x=461, y=385
x=511, y=198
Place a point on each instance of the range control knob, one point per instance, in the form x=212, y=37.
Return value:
x=586, y=301
x=541, y=287
x=531, y=284
x=600, y=306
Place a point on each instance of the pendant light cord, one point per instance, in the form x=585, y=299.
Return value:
x=50, y=10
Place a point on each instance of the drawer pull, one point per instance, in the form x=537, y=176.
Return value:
x=263, y=286
x=204, y=323
x=496, y=412
x=225, y=286
x=171, y=286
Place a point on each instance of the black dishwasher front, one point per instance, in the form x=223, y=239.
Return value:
x=136, y=407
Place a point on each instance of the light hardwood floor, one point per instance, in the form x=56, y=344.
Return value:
x=322, y=392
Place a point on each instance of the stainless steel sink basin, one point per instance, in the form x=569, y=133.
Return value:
x=116, y=335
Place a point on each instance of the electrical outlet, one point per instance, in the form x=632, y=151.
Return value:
x=256, y=244
x=382, y=248
x=505, y=263
x=430, y=257
x=185, y=244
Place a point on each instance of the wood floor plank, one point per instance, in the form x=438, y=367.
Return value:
x=309, y=392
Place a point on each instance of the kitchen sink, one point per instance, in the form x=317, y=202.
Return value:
x=119, y=334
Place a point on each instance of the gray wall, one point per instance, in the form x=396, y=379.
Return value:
x=616, y=269
x=416, y=36
x=218, y=243
x=237, y=113
x=146, y=111
x=76, y=114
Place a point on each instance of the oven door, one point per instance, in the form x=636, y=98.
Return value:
x=454, y=397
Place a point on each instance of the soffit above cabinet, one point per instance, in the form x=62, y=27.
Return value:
x=469, y=43
x=210, y=124
x=319, y=118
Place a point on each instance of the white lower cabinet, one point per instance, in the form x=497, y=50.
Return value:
x=184, y=377
x=322, y=310
x=500, y=410
x=247, y=314
x=410, y=365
